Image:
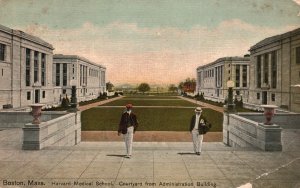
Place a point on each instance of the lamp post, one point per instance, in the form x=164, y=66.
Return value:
x=230, y=104
x=73, y=96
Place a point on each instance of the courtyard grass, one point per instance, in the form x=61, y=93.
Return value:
x=150, y=119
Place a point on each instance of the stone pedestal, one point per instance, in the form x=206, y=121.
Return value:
x=269, y=137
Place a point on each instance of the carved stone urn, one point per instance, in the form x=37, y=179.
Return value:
x=269, y=111
x=36, y=112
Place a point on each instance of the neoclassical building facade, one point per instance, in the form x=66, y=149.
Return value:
x=88, y=77
x=212, y=78
x=275, y=70
x=25, y=69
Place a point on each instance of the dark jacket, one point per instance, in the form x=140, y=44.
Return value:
x=202, y=128
x=126, y=121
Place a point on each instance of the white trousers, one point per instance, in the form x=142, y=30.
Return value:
x=197, y=140
x=128, y=138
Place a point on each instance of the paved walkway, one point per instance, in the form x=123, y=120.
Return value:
x=161, y=164
x=147, y=107
x=216, y=108
x=88, y=106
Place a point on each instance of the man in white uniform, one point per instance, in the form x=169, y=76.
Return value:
x=127, y=127
x=198, y=121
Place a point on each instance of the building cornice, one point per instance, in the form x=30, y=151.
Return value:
x=275, y=38
x=223, y=59
x=26, y=36
x=76, y=57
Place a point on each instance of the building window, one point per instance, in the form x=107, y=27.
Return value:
x=27, y=69
x=257, y=95
x=273, y=96
x=64, y=91
x=36, y=66
x=274, y=69
x=2, y=52
x=65, y=68
x=298, y=55
x=57, y=74
x=28, y=95
x=266, y=68
x=44, y=94
x=2, y=72
x=237, y=76
x=237, y=92
x=258, y=72
x=244, y=76
x=43, y=69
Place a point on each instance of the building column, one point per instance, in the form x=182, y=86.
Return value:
x=31, y=68
x=61, y=74
x=248, y=76
x=269, y=70
x=262, y=69
x=39, y=67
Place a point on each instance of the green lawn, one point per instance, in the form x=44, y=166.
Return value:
x=124, y=101
x=150, y=119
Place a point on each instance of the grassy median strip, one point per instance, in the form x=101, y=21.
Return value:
x=125, y=101
x=150, y=119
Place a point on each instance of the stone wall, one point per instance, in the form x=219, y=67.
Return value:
x=13, y=119
x=62, y=131
x=285, y=120
x=239, y=131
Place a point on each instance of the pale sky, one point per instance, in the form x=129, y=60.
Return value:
x=154, y=41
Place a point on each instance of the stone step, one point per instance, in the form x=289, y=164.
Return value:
x=146, y=146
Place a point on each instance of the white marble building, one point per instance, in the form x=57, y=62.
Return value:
x=212, y=78
x=88, y=77
x=25, y=69
x=275, y=71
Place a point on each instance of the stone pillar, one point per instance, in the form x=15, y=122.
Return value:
x=61, y=74
x=269, y=70
x=262, y=69
x=32, y=69
x=39, y=68
x=269, y=137
x=226, y=128
x=248, y=77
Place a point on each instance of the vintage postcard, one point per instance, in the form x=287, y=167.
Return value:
x=149, y=93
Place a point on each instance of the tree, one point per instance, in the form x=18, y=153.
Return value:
x=189, y=85
x=172, y=88
x=143, y=87
x=109, y=86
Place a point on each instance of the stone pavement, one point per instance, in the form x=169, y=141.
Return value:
x=205, y=105
x=149, y=136
x=160, y=164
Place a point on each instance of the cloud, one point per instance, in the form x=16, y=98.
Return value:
x=156, y=55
